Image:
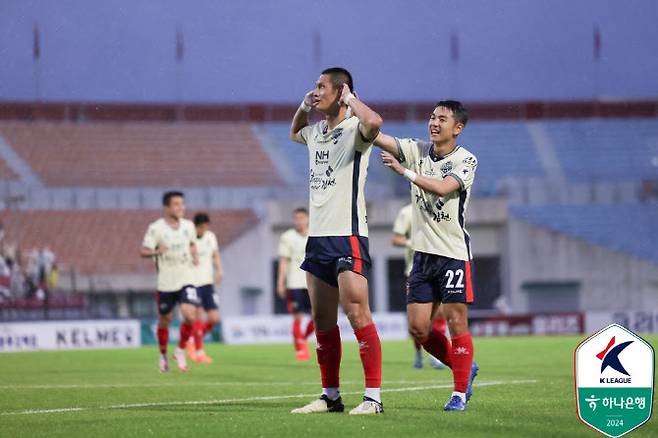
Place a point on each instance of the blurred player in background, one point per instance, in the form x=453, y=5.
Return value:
x=207, y=274
x=171, y=242
x=441, y=173
x=337, y=260
x=402, y=238
x=291, y=281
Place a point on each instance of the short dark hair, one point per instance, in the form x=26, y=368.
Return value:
x=339, y=76
x=201, y=218
x=458, y=111
x=166, y=198
x=300, y=210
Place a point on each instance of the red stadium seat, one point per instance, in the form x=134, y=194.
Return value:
x=105, y=241
x=142, y=154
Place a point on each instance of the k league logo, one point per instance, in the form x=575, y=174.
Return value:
x=614, y=375
x=610, y=358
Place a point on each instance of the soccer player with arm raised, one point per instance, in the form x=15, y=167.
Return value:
x=337, y=260
x=441, y=173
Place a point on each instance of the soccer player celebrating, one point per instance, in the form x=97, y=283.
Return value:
x=291, y=280
x=442, y=173
x=207, y=274
x=171, y=242
x=337, y=260
x=401, y=238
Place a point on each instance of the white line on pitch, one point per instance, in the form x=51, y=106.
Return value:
x=183, y=384
x=245, y=399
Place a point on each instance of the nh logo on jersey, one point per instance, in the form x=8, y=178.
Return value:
x=321, y=157
x=614, y=374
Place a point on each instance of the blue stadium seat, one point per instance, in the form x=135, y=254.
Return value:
x=606, y=149
x=628, y=228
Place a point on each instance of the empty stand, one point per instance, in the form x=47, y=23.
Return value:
x=6, y=172
x=629, y=228
x=142, y=154
x=105, y=241
x=606, y=149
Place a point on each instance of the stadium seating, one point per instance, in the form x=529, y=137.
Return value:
x=104, y=241
x=628, y=228
x=606, y=149
x=142, y=154
x=6, y=172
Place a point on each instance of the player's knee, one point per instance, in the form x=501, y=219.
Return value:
x=188, y=317
x=457, y=323
x=165, y=320
x=324, y=321
x=359, y=318
x=419, y=331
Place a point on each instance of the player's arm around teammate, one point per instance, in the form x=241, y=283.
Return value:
x=420, y=316
x=442, y=174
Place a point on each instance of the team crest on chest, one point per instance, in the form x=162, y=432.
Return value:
x=446, y=168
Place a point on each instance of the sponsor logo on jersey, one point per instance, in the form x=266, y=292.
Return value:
x=336, y=135
x=321, y=157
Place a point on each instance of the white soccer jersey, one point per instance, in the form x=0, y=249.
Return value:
x=438, y=223
x=339, y=164
x=292, y=246
x=206, y=246
x=402, y=226
x=175, y=266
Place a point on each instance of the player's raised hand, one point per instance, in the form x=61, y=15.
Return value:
x=309, y=101
x=346, y=95
x=392, y=163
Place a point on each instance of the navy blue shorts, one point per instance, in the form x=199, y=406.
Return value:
x=207, y=297
x=328, y=256
x=167, y=300
x=439, y=279
x=298, y=301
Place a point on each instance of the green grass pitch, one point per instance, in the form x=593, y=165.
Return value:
x=525, y=389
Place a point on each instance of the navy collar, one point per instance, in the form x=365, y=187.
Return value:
x=437, y=158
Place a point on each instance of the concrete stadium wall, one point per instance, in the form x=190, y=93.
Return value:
x=607, y=280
